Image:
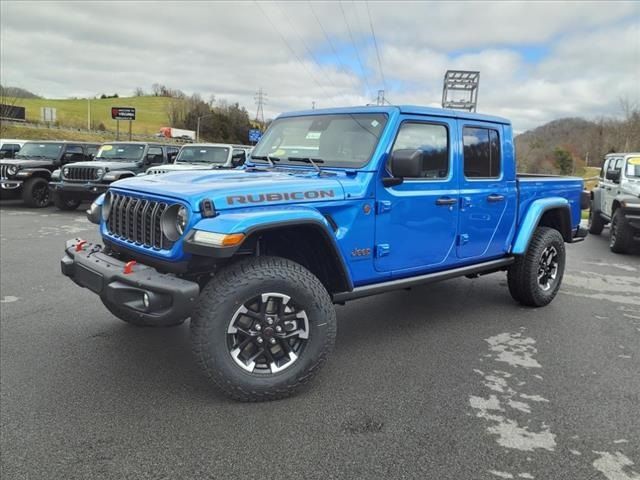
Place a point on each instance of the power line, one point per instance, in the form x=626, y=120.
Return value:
x=326, y=36
x=375, y=43
x=364, y=76
x=293, y=52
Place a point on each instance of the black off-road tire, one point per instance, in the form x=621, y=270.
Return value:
x=621, y=239
x=228, y=291
x=596, y=223
x=131, y=318
x=65, y=203
x=522, y=276
x=35, y=193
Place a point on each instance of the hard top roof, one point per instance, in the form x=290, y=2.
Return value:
x=405, y=109
x=63, y=141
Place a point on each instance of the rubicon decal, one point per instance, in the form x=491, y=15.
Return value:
x=279, y=197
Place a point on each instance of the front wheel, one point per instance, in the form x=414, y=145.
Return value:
x=35, y=193
x=535, y=277
x=262, y=328
x=64, y=202
x=621, y=235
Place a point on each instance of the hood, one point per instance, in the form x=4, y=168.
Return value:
x=26, y=163
x=237, y=188
x=632, y=187
x=108, y=166
x=174, y=167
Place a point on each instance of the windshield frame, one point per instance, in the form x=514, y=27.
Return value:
x=20, y=155
x=115, y=145
x=178, y=158
x=261, y=150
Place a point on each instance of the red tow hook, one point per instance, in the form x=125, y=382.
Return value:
x=128, y=267
x=80, y=245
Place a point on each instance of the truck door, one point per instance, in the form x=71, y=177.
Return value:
x=488, y=191
x=610, y=187
x=416, y=221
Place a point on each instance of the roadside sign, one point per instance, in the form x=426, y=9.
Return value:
x=123, y=113
x=255, y=135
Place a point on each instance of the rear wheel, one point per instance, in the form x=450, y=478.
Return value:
x=262, y=328
x=64, y=202
x=35, y=193
x=621, y=234
x=132, y=318
x=535, y=277
x=596, y=223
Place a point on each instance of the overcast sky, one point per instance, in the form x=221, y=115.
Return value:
x=538, y=61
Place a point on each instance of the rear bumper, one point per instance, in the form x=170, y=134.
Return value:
x=83, y=191
x=169, y=298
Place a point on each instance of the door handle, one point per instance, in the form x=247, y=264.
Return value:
x=495, y=198
x=446, y=201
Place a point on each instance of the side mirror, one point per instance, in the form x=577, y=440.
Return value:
x=404, y=163
x=613, y=175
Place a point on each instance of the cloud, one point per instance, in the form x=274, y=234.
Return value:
x=587, y=54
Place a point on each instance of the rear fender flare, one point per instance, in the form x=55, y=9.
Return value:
x=532, y=218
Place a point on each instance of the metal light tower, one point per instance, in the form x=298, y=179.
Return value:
x=260, y=99
x=461, y=90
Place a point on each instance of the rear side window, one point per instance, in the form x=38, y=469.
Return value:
x=172, y=153
x=8, y=150
x=73, y=153
x=92, y=150
x=481, y=152
x=432, y=140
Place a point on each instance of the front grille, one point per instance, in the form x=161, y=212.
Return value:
x=3, y=172
x=80, y=173
x=137, y=220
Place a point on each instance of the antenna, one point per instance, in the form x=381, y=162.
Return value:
x=465, y=84
x=381, y=99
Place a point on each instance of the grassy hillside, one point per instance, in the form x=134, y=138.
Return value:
x=24, y=132
x=151, y=112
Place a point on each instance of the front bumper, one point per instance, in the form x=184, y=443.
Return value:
x=10, y=184
x=83, y=191
x=632, y=215
x=169, y=298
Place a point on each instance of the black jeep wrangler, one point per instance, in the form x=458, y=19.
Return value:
x=87, y=180
x=30, y=170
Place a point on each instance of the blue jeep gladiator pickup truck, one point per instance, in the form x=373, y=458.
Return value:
x=333, y=205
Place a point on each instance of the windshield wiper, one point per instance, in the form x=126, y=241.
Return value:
x=268, y=158
x=312, y=161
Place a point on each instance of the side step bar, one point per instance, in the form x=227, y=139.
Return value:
x=368, y=290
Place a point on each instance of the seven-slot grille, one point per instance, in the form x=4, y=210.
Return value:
x=3, y=171
x=137, y=220
x=80, y=173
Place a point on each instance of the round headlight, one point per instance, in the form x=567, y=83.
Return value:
x=106, y=206
x=12, y=170
x=174, y=221
x=99, y=172
x=65, y=171
x=181, y=220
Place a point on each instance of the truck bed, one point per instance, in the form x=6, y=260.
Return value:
x=535, y=186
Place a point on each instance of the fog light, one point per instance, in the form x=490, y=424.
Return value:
x=145, y=300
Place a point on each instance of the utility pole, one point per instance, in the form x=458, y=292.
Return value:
x=380, y=100
x=88, y=114
x=261, y=101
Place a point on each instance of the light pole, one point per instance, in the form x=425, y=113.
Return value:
x=198, y=124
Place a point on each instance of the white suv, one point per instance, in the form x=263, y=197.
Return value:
x=616, y=200
x=205, y=156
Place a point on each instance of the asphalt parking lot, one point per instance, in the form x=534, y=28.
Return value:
x=448, y=381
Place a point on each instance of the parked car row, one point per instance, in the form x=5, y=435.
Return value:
x=69, y=173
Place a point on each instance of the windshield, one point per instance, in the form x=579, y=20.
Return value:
x=633, y=167
x=203, y=155
x=40, y=150
x=341, y=140
x=114, y=151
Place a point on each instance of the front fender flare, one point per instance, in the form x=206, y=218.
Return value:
x=33, y=172
x=532, y=218
x=256, y=220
